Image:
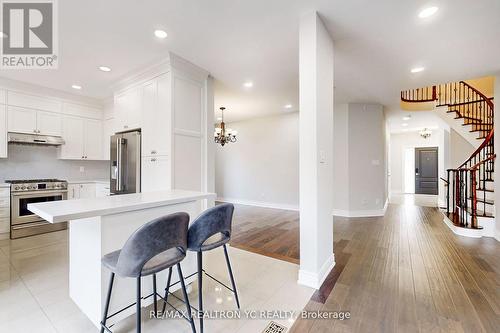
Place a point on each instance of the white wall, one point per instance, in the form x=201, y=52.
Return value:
x=367, y=159
x=460, y=149
x=341, y=158
x=29, y=162
x=262, y=167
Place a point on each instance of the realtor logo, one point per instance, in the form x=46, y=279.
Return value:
x=29, y=34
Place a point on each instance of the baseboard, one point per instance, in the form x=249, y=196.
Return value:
x=315, y=280
x=259, y=204
x=361, y=213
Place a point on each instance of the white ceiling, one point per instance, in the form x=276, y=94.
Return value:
x=376, y=44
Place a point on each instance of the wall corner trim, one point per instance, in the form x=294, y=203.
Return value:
x=316, y=279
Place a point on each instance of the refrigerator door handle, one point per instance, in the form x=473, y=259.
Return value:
x=119, y=164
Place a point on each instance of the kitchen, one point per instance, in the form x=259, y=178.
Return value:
x=55, y=148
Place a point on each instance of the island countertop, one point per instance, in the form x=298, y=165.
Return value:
x=66, y=210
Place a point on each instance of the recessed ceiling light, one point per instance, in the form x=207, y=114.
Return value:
x=417, y=69
x=404, y=124
x=288, y=106
x=105, y=69
x=76, y=86
x=407, y=118
x=160, y=34
x=428, y=12
x=248, y=84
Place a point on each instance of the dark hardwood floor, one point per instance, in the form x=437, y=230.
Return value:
x=404, y=272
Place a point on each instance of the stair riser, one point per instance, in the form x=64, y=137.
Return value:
x=481, y=206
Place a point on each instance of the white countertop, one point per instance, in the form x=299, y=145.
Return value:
x=66, y=210
x=3, y=185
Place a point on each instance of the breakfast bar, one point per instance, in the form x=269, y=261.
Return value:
x=101, y=225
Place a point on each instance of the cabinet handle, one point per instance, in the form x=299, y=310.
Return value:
x=125, y=126
x=153, y=151
x=153, y=160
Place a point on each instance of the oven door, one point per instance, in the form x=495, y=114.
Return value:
x=19, y=204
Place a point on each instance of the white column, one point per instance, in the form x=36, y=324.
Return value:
x=316, y=151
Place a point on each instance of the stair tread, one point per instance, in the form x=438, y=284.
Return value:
x=485, y=190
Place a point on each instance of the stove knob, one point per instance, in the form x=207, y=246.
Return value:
x=16, y=187
x=63, y=185
x=23, y=187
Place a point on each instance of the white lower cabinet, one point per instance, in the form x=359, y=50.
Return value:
x=155, y=174
x=102, y=190
x=81, y=191
x=4, y=212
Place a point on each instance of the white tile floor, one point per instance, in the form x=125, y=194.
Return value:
x=34, y=290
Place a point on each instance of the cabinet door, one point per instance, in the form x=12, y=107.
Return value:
x=92, y=145
x=155, y=174
x=127, y=109
x=87, y=191
x=49, y=123
x=150, y=105
x=73, y=191
x=21, y=120
x=3, y=132
x=156, y=129
x=73, y=135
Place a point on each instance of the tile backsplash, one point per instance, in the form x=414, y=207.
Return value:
x=29, y=162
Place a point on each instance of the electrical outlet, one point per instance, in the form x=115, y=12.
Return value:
x=82, y=169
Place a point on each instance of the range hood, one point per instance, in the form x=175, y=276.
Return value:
x=34, y=139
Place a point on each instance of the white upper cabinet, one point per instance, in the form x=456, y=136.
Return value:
x=49, y=123
x=34, y=102
x=73, y=134
x=3, y=132
x=21, y=120
x=128, y=109
x=83, y=139
x=156, y=130
x=92, y=145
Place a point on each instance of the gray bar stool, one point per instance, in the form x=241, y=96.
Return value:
x=211, y=230
x=155, y=246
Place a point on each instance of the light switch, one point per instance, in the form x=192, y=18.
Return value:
x=82, y=169
x=322, y=156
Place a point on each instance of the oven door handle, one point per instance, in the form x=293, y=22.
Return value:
x=38, y=193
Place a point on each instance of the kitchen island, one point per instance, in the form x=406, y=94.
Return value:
x=98, y=226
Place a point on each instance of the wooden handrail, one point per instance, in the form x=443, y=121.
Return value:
x=477, y=165
x=484, y=144
x=486, y=99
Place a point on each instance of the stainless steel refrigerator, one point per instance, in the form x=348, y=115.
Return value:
x=125, y=163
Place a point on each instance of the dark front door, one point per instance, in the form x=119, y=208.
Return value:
x=426, y=170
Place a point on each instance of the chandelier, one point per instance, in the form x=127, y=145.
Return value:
x=222, y=134
x=425, y=133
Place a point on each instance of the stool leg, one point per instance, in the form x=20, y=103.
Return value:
x=166, y=290
x=231, y=276
x=186, y=298
x=138, y=306
x=200, y=289
x=108, y=299
x=155, y=299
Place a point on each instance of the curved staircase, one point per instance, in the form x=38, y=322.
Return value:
x=470, y=186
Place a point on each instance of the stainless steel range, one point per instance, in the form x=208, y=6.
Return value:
x=23, y=192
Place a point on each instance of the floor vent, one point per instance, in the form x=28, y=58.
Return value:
x=275, y=328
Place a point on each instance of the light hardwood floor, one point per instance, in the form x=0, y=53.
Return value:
x=407, y=272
